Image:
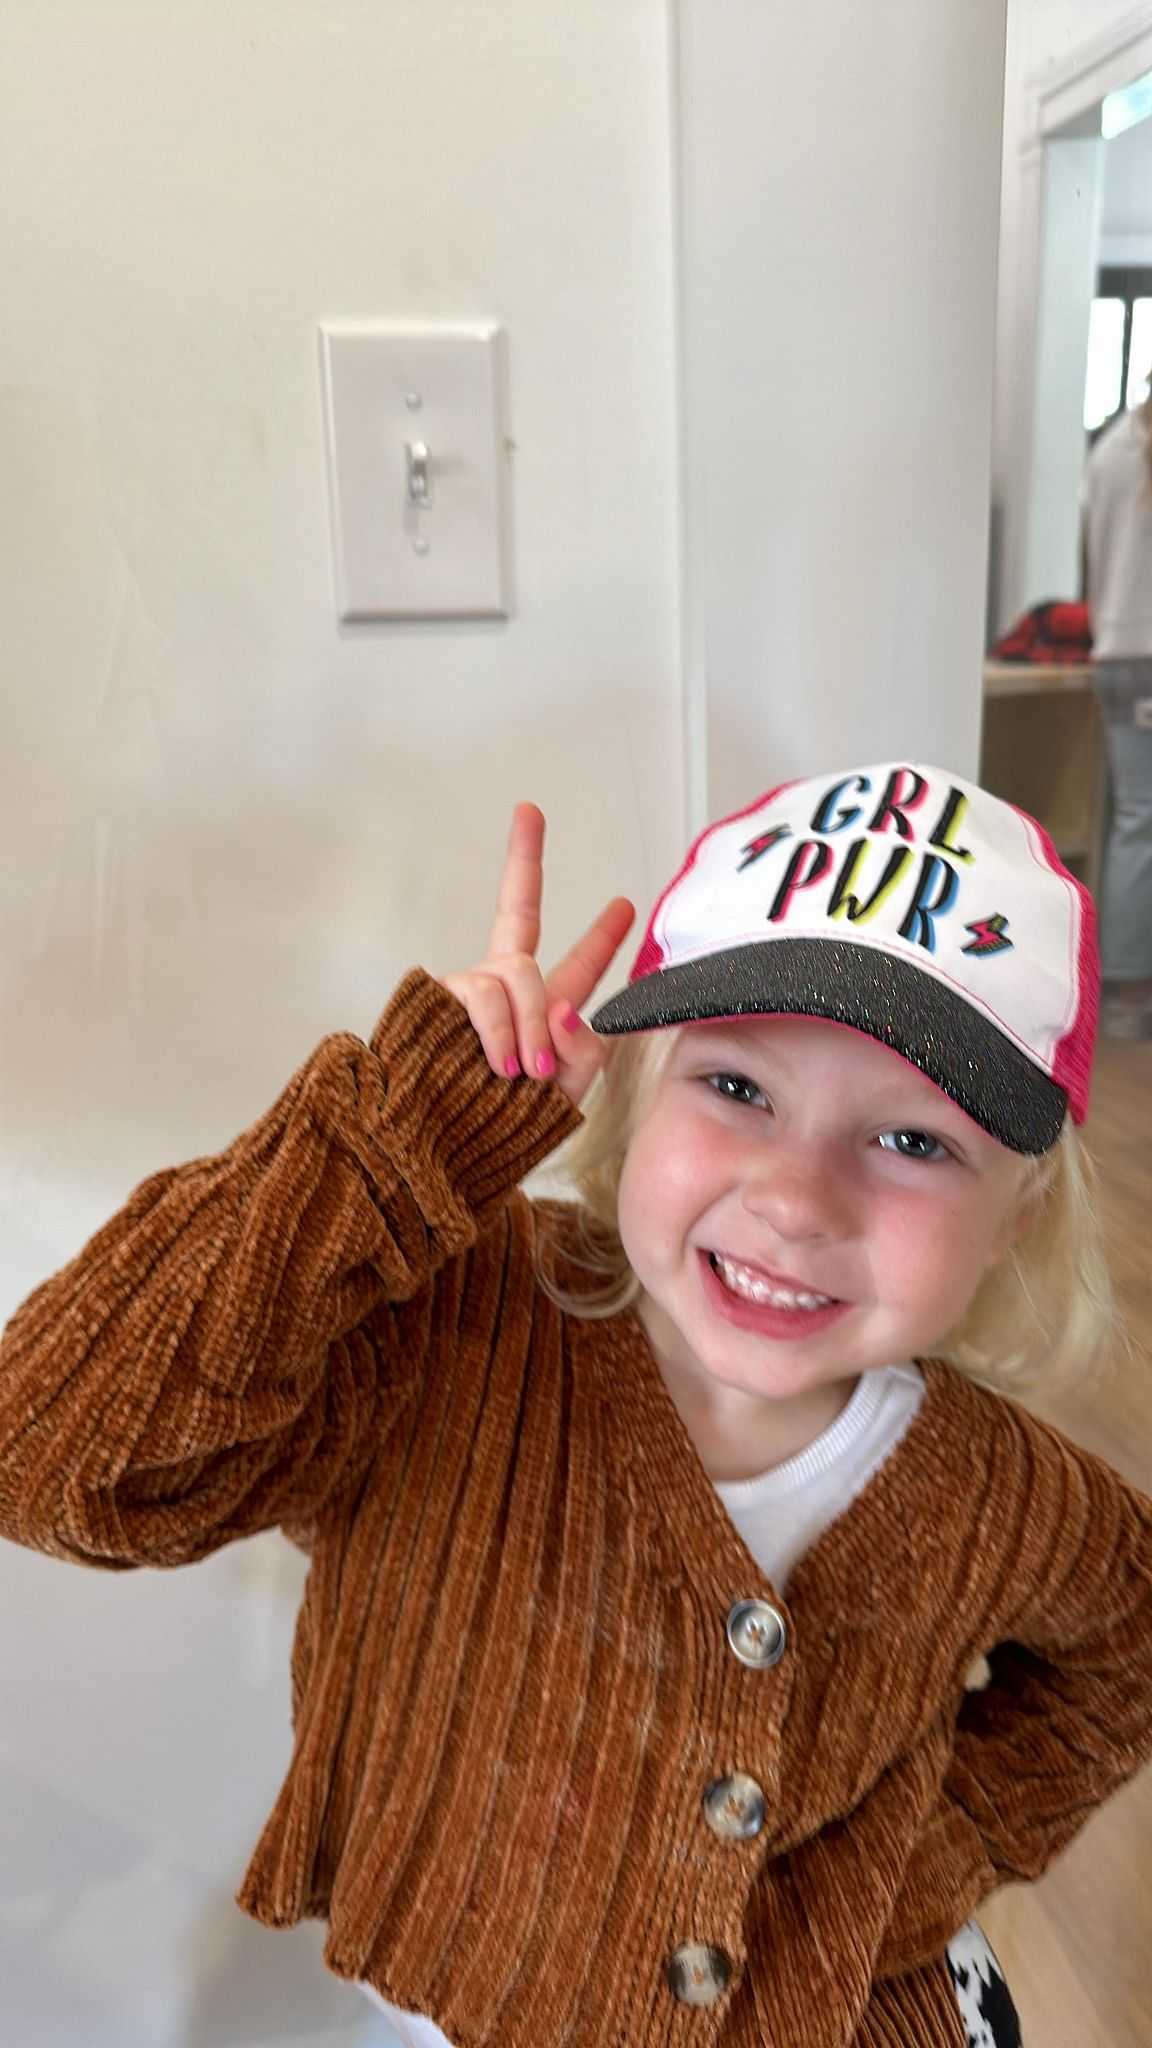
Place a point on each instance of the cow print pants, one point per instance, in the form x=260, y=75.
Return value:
x=984, y=1999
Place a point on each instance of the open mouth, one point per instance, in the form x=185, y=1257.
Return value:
x=748, y=1283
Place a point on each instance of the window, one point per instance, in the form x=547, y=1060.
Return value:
x=1105, y=379
x=1121, y=110
x=1119, y=344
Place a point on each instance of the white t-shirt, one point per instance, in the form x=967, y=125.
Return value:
x=778, y=1516
x=1116, y=502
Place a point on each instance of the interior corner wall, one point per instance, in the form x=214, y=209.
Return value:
x=839, y=202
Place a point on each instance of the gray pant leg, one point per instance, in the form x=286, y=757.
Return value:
x=1124, y=690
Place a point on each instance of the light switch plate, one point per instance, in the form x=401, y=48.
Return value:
x=417, y=470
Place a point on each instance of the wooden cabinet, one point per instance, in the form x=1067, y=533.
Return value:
x=1042, y=748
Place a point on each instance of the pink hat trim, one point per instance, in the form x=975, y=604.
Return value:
x=651, y=954
x=1072, y=1058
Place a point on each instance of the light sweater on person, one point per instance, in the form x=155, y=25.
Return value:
x=514, y=1676
x=1116, y=505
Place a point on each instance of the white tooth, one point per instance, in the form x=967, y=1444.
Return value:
x=752, y=1288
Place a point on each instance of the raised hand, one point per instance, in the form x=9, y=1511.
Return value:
x=529, y=1024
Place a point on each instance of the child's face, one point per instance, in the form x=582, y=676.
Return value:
x=801, y=1205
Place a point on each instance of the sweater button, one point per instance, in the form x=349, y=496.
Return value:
x=698, y=1973
x=756, y=1633
x=734, y=1808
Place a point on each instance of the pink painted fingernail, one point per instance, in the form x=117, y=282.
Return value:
x=570, y=1019
x=511, y=1066
x=545, y=1063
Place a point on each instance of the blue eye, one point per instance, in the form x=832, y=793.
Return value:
x=913, y=1145
x=738, y=1088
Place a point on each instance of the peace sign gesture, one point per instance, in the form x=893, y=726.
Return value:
x=528, y=1024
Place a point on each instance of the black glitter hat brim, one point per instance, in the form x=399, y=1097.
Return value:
x=887, y=997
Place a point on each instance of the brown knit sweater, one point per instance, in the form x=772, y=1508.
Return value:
x=512, y=1681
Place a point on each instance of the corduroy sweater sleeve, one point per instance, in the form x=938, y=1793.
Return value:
x=1066, y=1717
x=202, y=1369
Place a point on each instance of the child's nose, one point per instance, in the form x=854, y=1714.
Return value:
x=803, y=1195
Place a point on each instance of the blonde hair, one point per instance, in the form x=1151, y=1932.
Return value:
x=1040, y=1316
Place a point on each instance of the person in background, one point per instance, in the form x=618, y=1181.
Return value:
x=1117, y=527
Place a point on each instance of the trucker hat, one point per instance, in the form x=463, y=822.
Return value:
x=907, y=903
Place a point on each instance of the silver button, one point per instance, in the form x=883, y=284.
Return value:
x=734, y=1807
x=756, y=1633
x=698, y=1974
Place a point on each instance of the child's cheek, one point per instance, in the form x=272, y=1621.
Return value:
x=935, y=1257
x=676, y=1171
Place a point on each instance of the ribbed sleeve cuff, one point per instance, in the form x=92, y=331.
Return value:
x=445, y=1104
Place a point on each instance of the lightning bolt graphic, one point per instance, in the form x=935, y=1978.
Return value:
x=761, y=844
x=988, y=935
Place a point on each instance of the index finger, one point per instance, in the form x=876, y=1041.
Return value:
x=516, y=925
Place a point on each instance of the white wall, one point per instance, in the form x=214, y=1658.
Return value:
x=1056, y=29
x=226, y=827
x=840, y=212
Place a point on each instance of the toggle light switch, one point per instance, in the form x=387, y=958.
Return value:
x=417, y=470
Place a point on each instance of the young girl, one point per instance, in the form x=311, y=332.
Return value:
x=654, y=1538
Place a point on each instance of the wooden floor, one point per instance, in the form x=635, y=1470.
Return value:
x=1077, y=1948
